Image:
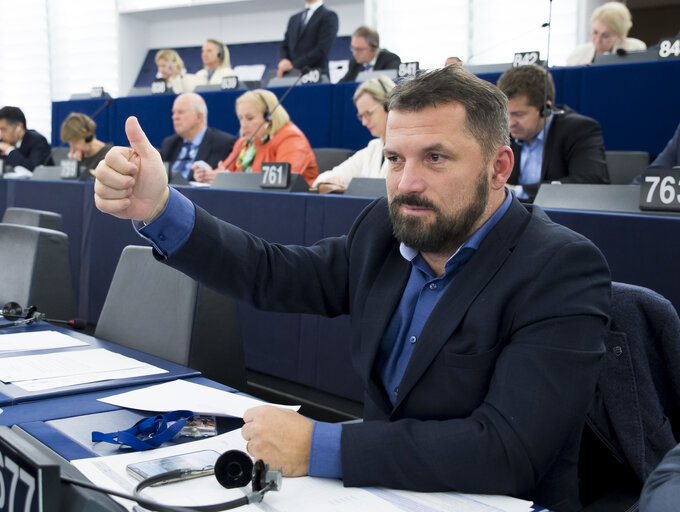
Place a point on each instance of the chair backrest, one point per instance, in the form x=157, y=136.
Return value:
x=59, y=154
x=367, y=187
x=327, y=158
x=31, y=217
x=47, y=173
x=156, y=309
x=636, y=410
x=624, y=166
x=35, y=270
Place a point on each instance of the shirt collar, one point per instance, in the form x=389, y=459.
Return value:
x=472, y=243
x=539, y=137
x=196, y=141
x=313, y=7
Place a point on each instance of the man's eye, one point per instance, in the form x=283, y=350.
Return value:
x=435, y=157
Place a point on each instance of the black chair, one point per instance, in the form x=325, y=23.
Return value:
x=31, y=217
x=59, y=154
x=635, y=416
x=624, y=166
x=156, y=309
x=327, y=158
x=35, y=270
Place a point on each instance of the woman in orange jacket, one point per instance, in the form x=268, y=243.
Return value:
x=267, y=135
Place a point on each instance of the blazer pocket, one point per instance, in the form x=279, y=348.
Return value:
x=479, y=361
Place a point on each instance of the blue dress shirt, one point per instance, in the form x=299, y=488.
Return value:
x=531, y=161
x=172, y=228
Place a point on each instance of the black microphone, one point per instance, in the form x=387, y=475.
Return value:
x=101, y=107
x=18, y=316
x=303, y=72
x=621, y=52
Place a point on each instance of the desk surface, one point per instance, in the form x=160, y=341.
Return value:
x=12, y=394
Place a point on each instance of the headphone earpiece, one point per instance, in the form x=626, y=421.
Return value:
x=373, y=46
x=546, y=110
x=235, y=468
x=220, y=53
x=267, y=114
x=89, y=138
x=13, y=311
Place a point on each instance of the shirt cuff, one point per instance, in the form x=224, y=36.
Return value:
x=324, y=455
x=172, y=228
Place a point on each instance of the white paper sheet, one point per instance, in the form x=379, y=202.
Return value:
x=304, y=494
x=40, y=340
x=72, y=363
x=184, y=395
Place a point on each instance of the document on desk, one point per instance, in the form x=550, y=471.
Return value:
x=305, y=494
x=58, y=369
x=38, y=340
x=184, y=395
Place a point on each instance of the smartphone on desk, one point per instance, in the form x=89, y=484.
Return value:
x=202, y=462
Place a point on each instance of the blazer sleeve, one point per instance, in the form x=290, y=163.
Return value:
x=220, y=146
x=327, y=30
x=670, y=156
x=389, y=60
x=542, y=382
x=284, y=51
x=34, y=151
x=584, y=153
x=352, y=71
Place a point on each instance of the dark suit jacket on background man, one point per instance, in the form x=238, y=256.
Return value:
x=386, y=60
x=34, y=151
x=216, y=146
x=312, y=46
x=573, y=153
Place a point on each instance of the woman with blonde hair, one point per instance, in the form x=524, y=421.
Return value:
x=171, y=69
x=370, y=98
x=610, y=24
x=216, y=64
x=78, y=131
x=267, y=135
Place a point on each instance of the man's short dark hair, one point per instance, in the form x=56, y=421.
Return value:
x=486, y=107
x=528, y=81
x=370, y=34
x=13, y=115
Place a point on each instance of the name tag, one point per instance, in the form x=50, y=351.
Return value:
x=408, y=69
x=275, y=175
x=525, y=59
x=229, y=82
x=69, y=169
x=669, y=48
x=660, y=190
x=313, y=76
x=159, y=86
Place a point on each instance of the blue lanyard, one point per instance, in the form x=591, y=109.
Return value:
x=147, y=433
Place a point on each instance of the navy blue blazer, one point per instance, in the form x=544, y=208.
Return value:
x=215, y=147
x=385, y=60
x=670, y=156
x=311, y=47
x=34, y=151
x=573, y=153
x=495, y=394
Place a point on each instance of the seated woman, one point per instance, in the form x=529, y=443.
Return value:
x=216, y=64
x=370, y=99
x=171, y=69
x=267, y=135
x=78, y=131
x=610, y=24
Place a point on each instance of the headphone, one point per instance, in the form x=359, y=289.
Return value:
x=546, y=110
x=373, y=46
x=232, y=469
x=267, y=114
x=385, y=103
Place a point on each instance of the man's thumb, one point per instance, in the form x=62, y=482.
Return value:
x=138, y=140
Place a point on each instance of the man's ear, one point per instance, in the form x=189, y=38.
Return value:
x=503, y=163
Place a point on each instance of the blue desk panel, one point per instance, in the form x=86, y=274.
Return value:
x=635, y=103
x=11, y=394
x=100, y=108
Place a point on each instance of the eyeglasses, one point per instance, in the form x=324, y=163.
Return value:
x=354, y=49
x=367, y=114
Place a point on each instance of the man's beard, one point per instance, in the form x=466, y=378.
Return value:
x=446, y=233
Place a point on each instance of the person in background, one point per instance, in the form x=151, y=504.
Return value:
x=308, y=39
x=193, y=139
x=670, y=156
x=610, y=24
x=267, y=135
x=452, y=60
x=78, y=131
x=370, y=99
x=19, y=146
x=367, y=54
x=216, y=65
x=171, y=69
x=549, y=144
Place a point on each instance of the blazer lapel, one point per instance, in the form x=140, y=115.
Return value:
x=453, y=305
x=313, y=19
